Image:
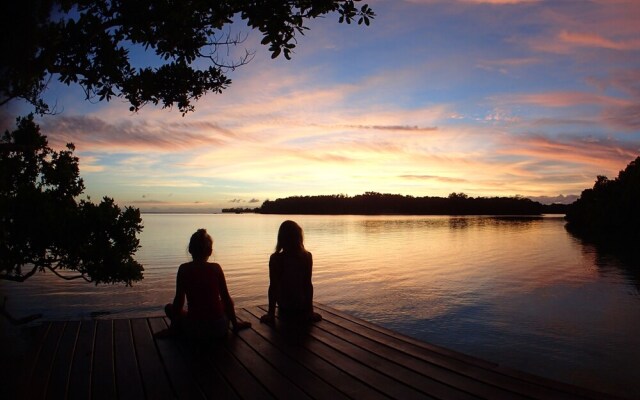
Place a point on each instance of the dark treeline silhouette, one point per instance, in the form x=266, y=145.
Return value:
x=611, y=209
x=371, y=203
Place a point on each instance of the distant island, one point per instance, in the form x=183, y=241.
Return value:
x=373, y=203
x=239, y=210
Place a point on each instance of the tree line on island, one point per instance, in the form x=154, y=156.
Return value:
x=373, y=203
x=610, y=209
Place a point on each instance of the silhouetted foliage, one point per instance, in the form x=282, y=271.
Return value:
x=44, y=228
x=611, y=209
x=186, y=45
x=371, y=203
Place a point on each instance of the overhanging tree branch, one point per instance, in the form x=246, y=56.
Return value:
x=66, y=277
x=88, y=42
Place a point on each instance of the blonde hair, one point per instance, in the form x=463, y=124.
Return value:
x=201, y=245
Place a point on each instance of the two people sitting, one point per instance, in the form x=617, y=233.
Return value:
x=210, y=307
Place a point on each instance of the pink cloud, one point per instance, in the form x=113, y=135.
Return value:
x=627, y=81
x=404, y=128
x=603, y=153
x=499, y=2
x=561, y=99
x=507, y=65
x=584, y=28
x=434, y=178
x=594, y=40
x=626, y=118
x=491, y=2
x=97, y=134
x=618, y=113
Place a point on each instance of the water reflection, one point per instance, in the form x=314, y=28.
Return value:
x=613, y=255
x=390, y=224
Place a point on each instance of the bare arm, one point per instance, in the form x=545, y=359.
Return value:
x=274, y=284
x=227, y=303
x=274, y=290
x=314, y=316
x=309, y=291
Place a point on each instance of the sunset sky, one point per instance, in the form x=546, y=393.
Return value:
x=494, y=97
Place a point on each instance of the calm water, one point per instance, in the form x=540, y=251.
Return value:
x=518, y=291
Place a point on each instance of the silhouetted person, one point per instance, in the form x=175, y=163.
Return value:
x=290, y=285
x=210, y=308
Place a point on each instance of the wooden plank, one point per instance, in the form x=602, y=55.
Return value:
x=392, y=334
x=480, y=370
x=182, y=380
x=211, y=382
x=128, y=381
x=42, y=368
x=154, y=380
x=404, y=368
x=26, y=365
x=271, y=378
x=290, y=367
x=361, y=364
x=61, y=369
x=364, y=365
x=325, y=369
x=80, y=377
x=241, y=380
x=103, y=372
x=422, y=375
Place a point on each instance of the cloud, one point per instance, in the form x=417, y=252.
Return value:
x=490, y=2
x=413, y=128
x=624, y=80
x=506, y=66
x=150, y=202
x=560, y=99
x=89, y=132
x=581, y=151
x=619, y=113
x=626, y=117
x=90, y=164
x=164, y=182
x=501, y=115
x=254, y=201
x=586, y=29
x=500, y=2
x=594, y=40
x=434, y=178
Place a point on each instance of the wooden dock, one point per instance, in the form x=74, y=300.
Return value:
x=341, y=357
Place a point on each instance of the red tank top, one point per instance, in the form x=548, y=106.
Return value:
x=201, y=286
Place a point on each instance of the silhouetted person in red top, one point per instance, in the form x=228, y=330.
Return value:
x=210, y=308
x=290, y=285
